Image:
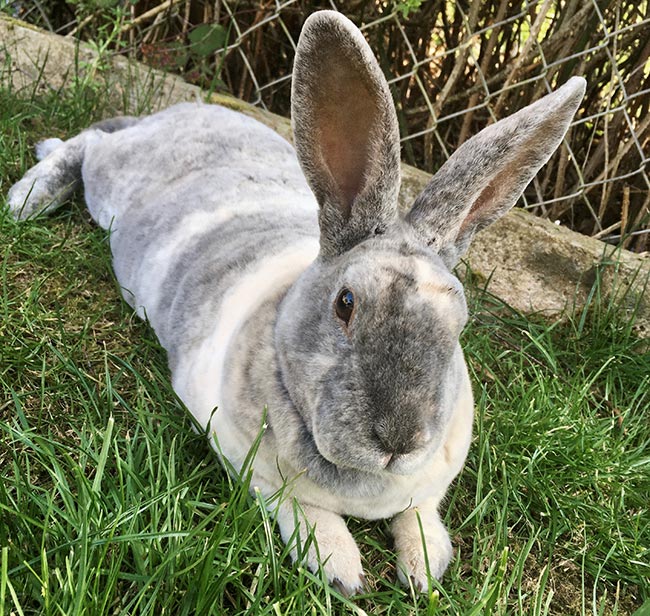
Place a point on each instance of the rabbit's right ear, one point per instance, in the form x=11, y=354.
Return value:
x=346, y=131
x=484, y=178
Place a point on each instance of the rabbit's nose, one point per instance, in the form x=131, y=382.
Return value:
x=397, y=439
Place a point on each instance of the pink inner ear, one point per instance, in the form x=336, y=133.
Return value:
x=346, y=118
x=497, y=197
x=505, y=186
x=483, y=203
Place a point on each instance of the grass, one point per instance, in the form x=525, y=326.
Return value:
x=111, y=504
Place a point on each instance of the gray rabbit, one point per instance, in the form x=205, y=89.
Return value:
x=286, y=279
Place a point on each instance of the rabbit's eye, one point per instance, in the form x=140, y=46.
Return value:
x=344, y=305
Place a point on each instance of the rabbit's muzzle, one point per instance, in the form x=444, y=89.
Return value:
x=398, y=438
x=405, y=451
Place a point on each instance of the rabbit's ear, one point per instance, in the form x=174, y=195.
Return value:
x=484, y=178
x=345, y=130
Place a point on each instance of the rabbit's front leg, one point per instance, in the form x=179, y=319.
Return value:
x=335, y=550
x=420, y=536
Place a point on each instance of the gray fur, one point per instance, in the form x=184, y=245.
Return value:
x=214, y=234
x=112, y=125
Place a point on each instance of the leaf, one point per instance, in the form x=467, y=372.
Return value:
x=205, y=39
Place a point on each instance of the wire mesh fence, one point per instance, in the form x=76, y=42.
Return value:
x=453, y=67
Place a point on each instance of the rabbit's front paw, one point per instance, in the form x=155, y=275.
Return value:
x=340, y=558
x=334, y=550
x=421, y=552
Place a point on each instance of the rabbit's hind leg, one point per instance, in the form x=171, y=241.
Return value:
x=52, y=181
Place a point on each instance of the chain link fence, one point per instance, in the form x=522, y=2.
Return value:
x=453, y=66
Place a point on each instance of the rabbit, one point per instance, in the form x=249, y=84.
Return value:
x=286, y=279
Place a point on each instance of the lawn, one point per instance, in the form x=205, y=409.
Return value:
x=111, y=504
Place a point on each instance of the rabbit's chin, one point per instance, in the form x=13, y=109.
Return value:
x=408, y=463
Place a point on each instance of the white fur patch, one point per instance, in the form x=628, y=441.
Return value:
x=199, y=377
x=444, y=290
x=160, y=258
x=144, y=288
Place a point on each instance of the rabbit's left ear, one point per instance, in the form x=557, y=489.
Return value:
x=345, y=130
x=484, y=178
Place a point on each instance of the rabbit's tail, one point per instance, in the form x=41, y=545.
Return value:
x=53, y=180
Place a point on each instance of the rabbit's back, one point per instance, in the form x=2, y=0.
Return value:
x=196, y=197
x=189, y=151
